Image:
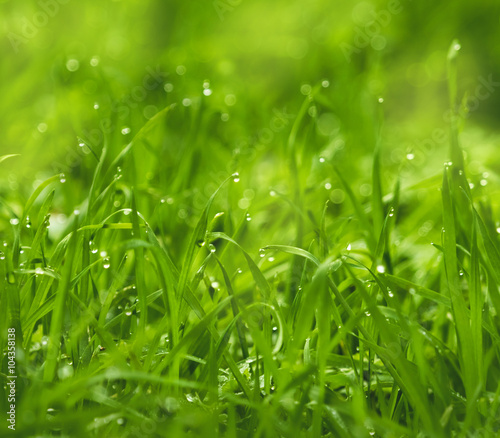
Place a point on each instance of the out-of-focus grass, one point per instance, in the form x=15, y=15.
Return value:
x=217, y=220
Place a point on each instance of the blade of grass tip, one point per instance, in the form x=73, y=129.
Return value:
x=26, y=211
x=323, y=239
x=42, y=228
x=11, y=294
x=455, y=152
x=5, y=157
x=295, y=266
x=377, y=192
x=459, y=309
x=139, y=270
x=234, y=305
x=368, y=228
x=56, y=323
x=197, y=240
x=146, y=129
x=476, y=305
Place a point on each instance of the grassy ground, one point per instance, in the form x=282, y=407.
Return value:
x=233, y=219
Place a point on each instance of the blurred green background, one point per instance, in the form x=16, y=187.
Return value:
x=238, y=71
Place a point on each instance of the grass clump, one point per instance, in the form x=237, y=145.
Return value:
x=174, y=285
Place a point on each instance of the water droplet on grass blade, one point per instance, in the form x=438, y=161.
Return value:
x=236, y=177
x=106, y=263
x=14, y=221
x=62, y=178
x=381, y=269
x=73, y=64
x=93, y=247
x=125, y=130
x=305, y=89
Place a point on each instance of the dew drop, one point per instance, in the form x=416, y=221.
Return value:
x=236, y=177
x=62, y=178
x=325, y=83
x=14, y=221
x=248, y=217
x=106, y=263
x=212, y=248
x=305, y=89
x=125, y=130
x=207, y=92
x=262, y=252
x=380, y=100
x=200, y=243
x=381, y=269
x=349, y=247
x=328, y=186
x=321, y=159
x=93, y=247
x=410, y=156
x=2, y=255
x=73, y=64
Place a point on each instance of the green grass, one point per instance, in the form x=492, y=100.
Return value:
x=282, y=267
